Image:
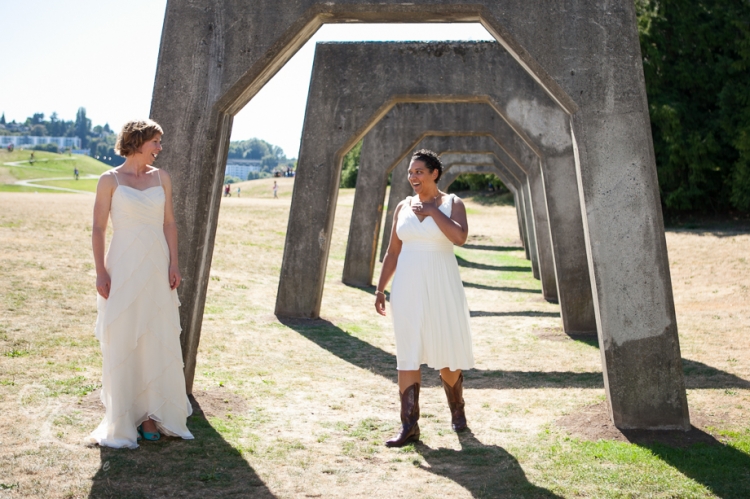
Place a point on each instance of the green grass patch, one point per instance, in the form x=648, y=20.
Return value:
x=47, y=165
x=620, y=469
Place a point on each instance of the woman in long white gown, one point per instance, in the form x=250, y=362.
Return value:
x=138, y=324
x=430, y=313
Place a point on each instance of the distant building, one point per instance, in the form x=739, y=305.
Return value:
x=29, y=141
x=240, y=168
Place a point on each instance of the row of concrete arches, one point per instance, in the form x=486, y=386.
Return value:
x=571, y=127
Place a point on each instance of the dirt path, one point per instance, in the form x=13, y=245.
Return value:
x=32, y=183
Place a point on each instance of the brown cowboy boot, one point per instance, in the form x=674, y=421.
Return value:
x=409, y=418
x=455, y=396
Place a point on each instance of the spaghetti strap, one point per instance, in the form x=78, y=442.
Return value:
x=158, y=174
x=116, y=179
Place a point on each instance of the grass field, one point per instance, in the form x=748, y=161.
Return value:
x=47, y=165
x=300, y=408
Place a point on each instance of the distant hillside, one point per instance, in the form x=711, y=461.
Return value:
x=48, y=169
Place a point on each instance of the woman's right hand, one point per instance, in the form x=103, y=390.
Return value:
x=380, y=303
x=103, y=284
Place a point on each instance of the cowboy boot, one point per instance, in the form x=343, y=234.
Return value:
x=409, y=418
x=455, y=396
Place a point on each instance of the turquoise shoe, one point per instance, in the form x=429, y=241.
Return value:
x=151, y=437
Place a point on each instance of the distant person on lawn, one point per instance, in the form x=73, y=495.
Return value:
x=138, y=325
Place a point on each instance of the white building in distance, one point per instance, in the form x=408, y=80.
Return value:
x=29, y=141
x=240, y=168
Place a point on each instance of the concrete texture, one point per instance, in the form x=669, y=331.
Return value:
x=215, y=56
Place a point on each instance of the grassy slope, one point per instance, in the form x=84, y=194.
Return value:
x=47, y=165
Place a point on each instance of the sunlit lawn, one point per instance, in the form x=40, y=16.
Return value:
x=301, y=408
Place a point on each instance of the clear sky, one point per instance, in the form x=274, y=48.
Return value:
x=61, y=55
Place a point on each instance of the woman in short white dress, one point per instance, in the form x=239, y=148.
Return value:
x=430, y=313
x=138, y=326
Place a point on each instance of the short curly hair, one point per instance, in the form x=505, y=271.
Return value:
x=431, y=159
x=134, y=134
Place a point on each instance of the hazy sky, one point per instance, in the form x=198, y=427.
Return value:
x=101, y=55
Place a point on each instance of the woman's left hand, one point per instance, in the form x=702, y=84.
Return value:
x=175, y=278
x=424, y=210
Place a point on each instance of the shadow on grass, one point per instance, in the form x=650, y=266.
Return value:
x=500, y=288
x=359, y=353
x=492, y=248
x=371, y=358
x=700, y=375
x=462, y=262
x=523, y=313
x=205, y=467
x=723, y=469
x=484, y=470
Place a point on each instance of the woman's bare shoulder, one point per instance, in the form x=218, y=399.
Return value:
x=108, y=178
x=162, y=173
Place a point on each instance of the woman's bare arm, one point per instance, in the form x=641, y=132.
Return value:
x=102, y=204
x=170, y=231
x=389, y=262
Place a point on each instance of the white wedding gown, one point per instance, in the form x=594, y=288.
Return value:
x=430, y=312
x=139, y=326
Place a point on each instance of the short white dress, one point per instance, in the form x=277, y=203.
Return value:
x=139, y=326
x=428, y=303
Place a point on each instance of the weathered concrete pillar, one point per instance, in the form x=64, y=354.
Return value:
x=215, y=56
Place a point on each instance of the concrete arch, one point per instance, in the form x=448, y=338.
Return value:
x=575, y=293
x=390, y=73
x=395, y=136
x=215, y=56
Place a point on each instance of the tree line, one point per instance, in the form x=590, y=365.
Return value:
x=99, y=139
x=696, y=58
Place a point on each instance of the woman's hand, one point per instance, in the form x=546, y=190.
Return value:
x=103, y=284
x=380, y=303
x=424, y=210
x=175, y=278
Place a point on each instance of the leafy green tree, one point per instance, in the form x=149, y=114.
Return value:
x=38, y=131
x=696, y=58
x=350, y=167
x=2, y=119
x=82, y=127
x=477, y=182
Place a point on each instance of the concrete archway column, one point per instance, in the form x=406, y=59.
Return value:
x=337, y=117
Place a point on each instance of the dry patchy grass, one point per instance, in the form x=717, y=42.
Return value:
x=300, y=408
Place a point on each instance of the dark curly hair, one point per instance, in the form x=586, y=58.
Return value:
x=431, y=159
